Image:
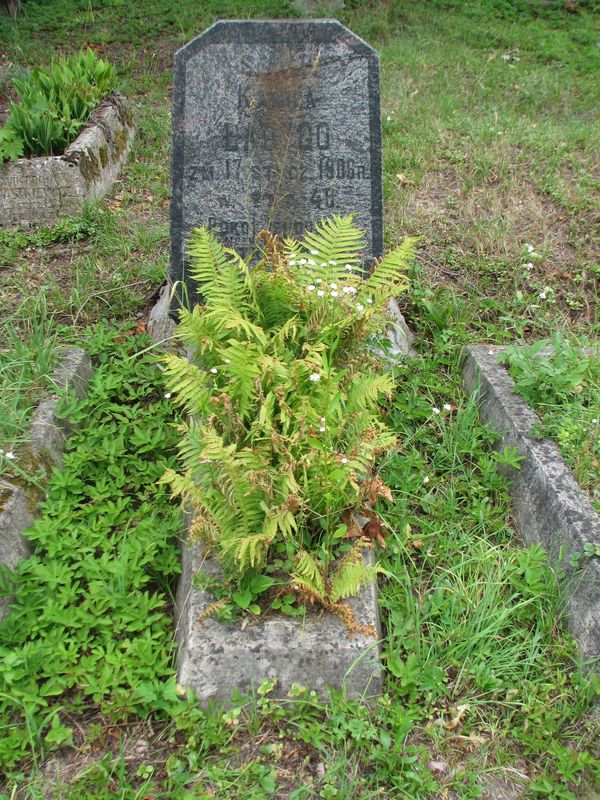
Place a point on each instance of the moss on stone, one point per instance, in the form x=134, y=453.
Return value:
x=103, y=154
x=119, y=143
x=89, y=166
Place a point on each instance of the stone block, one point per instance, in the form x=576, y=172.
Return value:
x=276, y=124
x=38, y=191
x=548, y=505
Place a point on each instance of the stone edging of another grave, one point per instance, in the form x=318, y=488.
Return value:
x=38, y=191
x=316, y=651
x=548, y=505
x=45, y=444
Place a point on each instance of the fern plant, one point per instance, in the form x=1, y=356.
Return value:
x=283, y=401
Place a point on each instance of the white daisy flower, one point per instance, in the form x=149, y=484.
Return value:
x=319, y=281
x=167, y=395
x=314, y=252
x=320, y=293
x=360, y=307
x=426, y=479
x=348, y=267
x=314, y=377
x=334, y=294
x=333, y=263
x=322, y=428
x=333, y=285
x=447, y=407
x=213, y=370
x=310, y=287
x=344, y=460
x=435, y=410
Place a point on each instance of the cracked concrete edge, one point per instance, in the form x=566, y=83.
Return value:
x=46, y=440
x=38, y=191
x=548, y=505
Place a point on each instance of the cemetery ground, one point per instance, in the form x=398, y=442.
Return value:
x=490, y=156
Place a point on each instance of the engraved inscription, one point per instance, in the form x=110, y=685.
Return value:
x=276, y=126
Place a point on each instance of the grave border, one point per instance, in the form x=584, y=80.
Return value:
x=46, y=441
x=52, y=187
x=548, y=505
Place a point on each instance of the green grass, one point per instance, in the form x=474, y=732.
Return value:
x=27, y=359
x=480, y=674
x=483, y=156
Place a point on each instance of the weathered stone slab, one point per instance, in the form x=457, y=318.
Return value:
x=548, y=505
x=45, y=444
x=316, y=652
x=276, y=124
x=38, y=191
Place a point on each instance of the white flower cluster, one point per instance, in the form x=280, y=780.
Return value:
x=446, y=407
x=332, y=290
x=8, y=455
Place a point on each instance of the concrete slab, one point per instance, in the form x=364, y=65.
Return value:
x=549, y=506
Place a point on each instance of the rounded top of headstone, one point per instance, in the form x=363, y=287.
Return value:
x=276, y=31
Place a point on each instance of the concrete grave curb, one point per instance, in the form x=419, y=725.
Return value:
x=45, y=444
x=549, y=506
x=38, y=191
x=315, y=651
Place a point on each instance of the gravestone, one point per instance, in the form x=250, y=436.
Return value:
x=276, y=124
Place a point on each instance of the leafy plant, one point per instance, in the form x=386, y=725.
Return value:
x=560, y=378
x=283, y=396
x=548, y=371
x=88, y=618
x=54, y=105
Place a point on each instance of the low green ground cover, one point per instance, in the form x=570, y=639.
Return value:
x=490, y=150
x=560, y=378
x=480, y=677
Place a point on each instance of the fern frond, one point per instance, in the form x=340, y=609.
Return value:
x=307, y=591
x=188, y=382
x=336, y=241
x=248, y=551
x=352, y=574
x=221, y=275
x=309, y=572
x=244, y=371
x=389, y=274
x=225, y=317
x=367, y=390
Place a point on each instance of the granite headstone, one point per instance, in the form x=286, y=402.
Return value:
x=276, y=124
